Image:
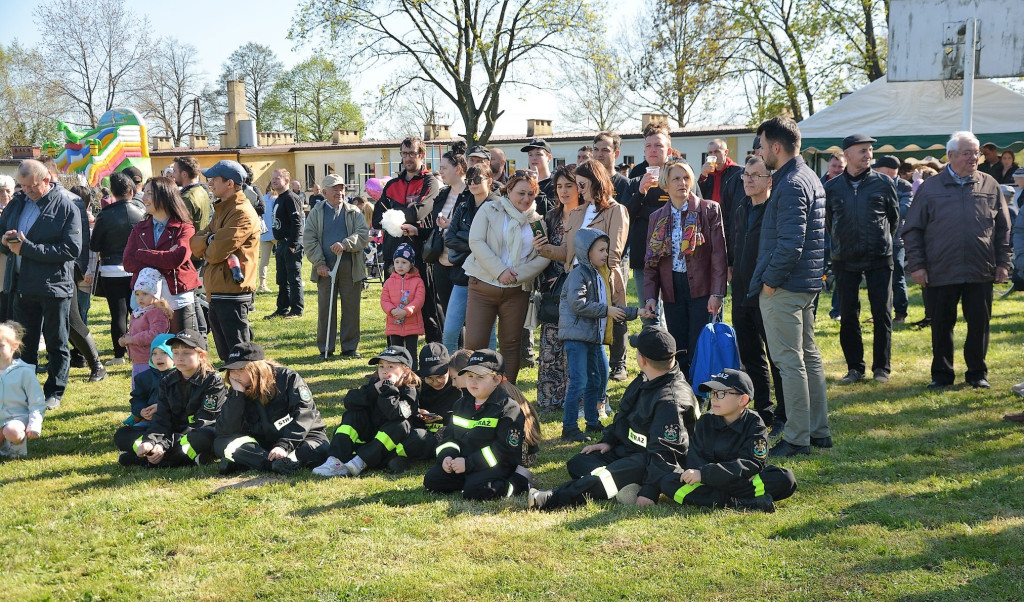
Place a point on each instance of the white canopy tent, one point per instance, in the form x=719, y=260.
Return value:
x=911, y=116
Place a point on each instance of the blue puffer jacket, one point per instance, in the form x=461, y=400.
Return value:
x=581, y=314
x=792, y=250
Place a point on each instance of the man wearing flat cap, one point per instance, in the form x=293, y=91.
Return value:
x=230, y=247
x=861, y=216
x=333, y=239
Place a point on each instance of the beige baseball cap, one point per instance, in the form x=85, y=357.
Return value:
x=332, y=180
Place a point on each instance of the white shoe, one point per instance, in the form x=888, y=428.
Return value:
x=117, y=361
x=602, y=411
x=14, y=450
x=355, y=466
x=1018, y=389
x=333, y=467
x=628, y=494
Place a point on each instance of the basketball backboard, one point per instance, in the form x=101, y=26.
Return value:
x=926, y=39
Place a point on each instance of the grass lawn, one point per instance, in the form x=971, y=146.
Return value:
x=921, y=499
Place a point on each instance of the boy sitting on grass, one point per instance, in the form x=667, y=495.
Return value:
x=646, y=441
x=726, y=463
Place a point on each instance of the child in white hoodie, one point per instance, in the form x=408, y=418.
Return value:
x=22, y=403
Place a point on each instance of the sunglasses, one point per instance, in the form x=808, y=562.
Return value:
x=476, y=180
x=522, y=173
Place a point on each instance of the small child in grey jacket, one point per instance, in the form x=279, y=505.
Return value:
x=22, y=403
x=584, y=327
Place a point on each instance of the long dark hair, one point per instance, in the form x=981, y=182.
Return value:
x=600, y=183
x=565, y=172
x=457, y=155
x=166, y=198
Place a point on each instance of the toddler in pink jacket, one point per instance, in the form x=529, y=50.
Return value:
x=153, y=317
x=402, y=301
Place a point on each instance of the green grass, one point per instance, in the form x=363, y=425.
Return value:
x=919, y=500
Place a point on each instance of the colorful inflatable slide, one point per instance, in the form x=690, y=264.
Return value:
x=119, y=140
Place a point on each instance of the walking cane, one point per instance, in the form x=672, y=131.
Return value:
x=330, y=308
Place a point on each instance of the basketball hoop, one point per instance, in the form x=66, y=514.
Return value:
x=953, y=88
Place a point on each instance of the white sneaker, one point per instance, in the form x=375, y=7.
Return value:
x=333, y=467
x=355, y=466
x=602, y=411
x=1018, y=389
x=14, y=450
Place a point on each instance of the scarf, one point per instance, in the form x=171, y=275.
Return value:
x=514, y=230
x=660, y=244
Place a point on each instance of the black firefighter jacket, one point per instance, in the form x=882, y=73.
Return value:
x=488, y=438
x=184, y=404
x=286, y=421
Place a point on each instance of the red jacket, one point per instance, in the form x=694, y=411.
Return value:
x=706, y=269
x=392, y=297
x=172, y=256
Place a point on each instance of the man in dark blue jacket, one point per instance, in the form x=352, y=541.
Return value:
x=787, y=277
x=288, y=219
x=42, y=238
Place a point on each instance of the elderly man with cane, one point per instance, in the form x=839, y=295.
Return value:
x=334, y=237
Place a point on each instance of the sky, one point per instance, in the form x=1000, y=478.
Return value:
x=267, y=22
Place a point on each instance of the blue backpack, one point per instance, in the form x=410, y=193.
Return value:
x=716, y=350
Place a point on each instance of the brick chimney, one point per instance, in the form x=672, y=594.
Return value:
x=434, y=131
x=538, y=127
x=343, y=136
x=236, y=112
x=25, y=152
x=163, y=143
x=647, y=118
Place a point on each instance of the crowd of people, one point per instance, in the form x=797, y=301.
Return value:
x=477, y=260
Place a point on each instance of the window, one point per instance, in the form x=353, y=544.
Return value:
x=627, y=159
x=328, y=169
x=369, y=170
x=310, y=176
x=559, y=163
x=351, y=184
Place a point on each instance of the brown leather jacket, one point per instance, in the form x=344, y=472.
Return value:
x=706, y=269
x=960, y=234
x=236, y=229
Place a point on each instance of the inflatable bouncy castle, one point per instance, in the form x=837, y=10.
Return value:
x=119, y=140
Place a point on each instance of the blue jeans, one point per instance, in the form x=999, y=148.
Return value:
x=84, y=303
x=455, y=319
x=899, y=281
x=588, y=376
x=641, y=300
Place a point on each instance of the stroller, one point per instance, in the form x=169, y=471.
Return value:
x=374, y=259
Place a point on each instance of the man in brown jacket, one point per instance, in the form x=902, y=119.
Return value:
x=957, y=241
x=230, y=247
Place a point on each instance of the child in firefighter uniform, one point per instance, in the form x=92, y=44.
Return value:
x=437, y=397
x=376, y=419
x=726, y=464
x=269, y=420
x=189, y=400
x=646, y=441
x=483, y=447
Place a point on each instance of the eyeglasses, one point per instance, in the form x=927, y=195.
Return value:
x=974, y=154
x=722, y=394
x=751, y=176
x=522, y=173
x=410, y=154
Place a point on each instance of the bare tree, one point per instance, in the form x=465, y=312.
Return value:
x=469, y=50
x=171, y=85
x=598, y=87
x=405, y=116
x=258, y=67
x=94, y=51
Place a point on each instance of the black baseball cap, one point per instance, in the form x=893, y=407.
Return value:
x=537, y=143
x=890, y=161
x=856, y=139
x=434, y=360
x=485, y=361
x=479, y=151
x=655, y=344
x=134, y=173
x=243, y=354
x=729, y=379
x=394, y=353
x=757, y=143
x=189, y=338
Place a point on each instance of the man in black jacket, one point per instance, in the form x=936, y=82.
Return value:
x=861, y=215
x=42, y=238
x=288, y=217
x=746, y=312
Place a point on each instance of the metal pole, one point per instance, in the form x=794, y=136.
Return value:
x=970, y=43
x=295, y=100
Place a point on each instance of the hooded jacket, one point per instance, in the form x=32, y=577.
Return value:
x=581, y=311
x=286, y=421
x=234, y=229
x=411, y=288
x=21, y=397
x=656, y=418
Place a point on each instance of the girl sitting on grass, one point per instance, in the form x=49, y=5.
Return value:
x=22, y=403
x=146, y=390
x=376, y=419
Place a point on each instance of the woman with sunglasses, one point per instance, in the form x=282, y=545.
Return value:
x=551, y=373
x=686, y=258
x=502, y=267
x=456, y=242
x=452, y=168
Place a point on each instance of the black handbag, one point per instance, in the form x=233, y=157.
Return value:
x=433, y=247
x=550, y=298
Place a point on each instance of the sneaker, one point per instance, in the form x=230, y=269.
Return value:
x=127, y=459
x=851, y=377
x=285, y=466
x=277, y=314
x=628, y=494
x=117, y=361
x=761, y=503
x=576, y=436
x=264, y=289
x=618, y=374
x=1018, y=389
x=14, y=450
x=899, y=319
x=98, y=373
x=355, y=466
x=602, y=411
x=529, y=476
x=785, y=448
x=595, y=428
x=822, y=442
x=52, y=402
x=537, y=498
x=398, y=464
x=333, y=467
x=290, y=315
x=227, y=467
x=881, y=376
